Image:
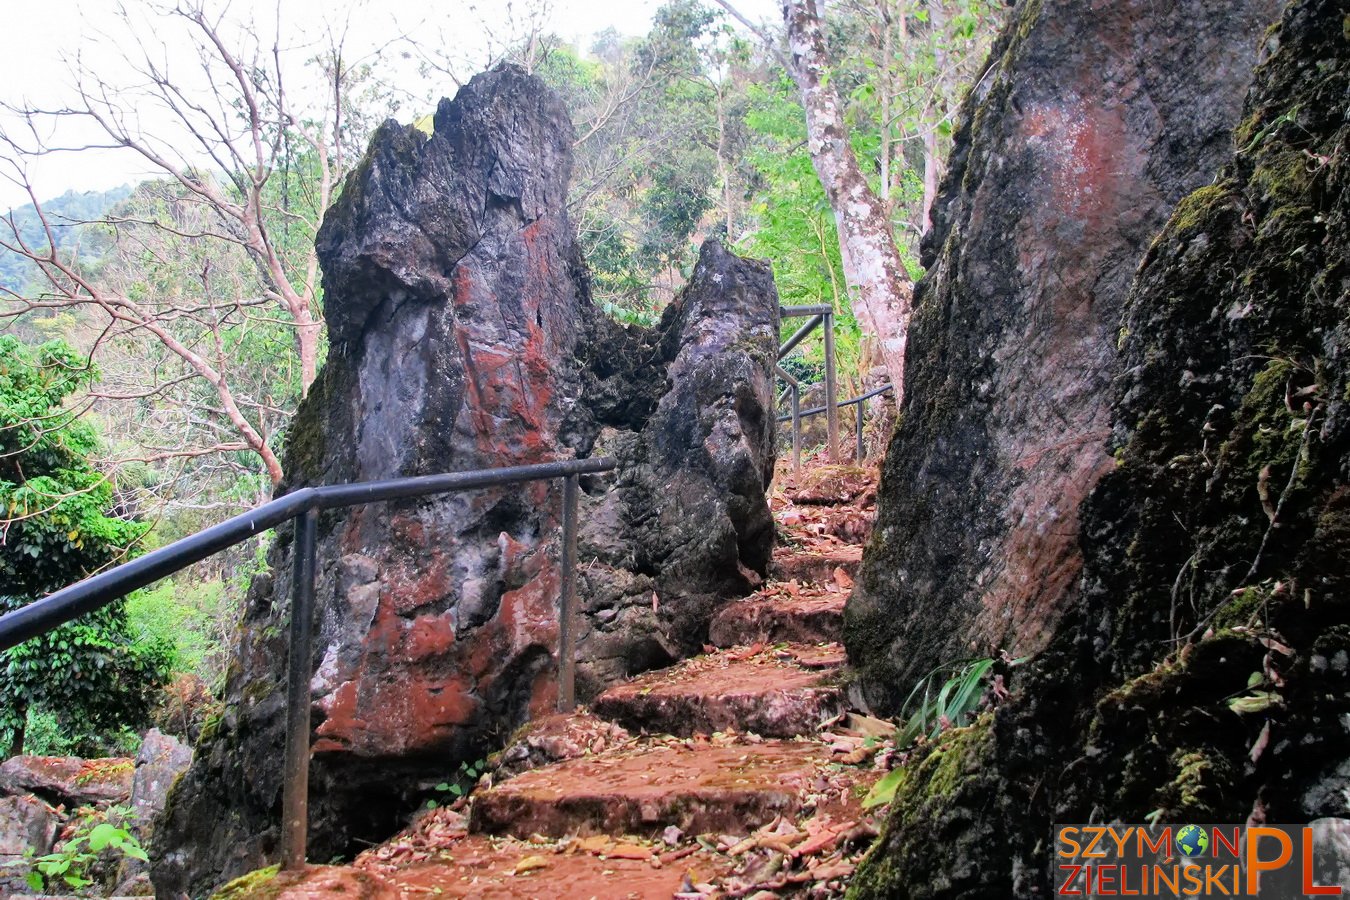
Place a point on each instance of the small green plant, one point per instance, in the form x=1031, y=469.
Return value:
x=958, y=697
x=71, y=864
x=468, y=774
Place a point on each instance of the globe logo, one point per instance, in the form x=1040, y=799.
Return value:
x=1192, y=841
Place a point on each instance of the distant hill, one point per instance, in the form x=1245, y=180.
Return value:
x=64, y=214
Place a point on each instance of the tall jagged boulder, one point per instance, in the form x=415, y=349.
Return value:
x=463, y=337
x=1202, y=673
x=1089, y=123
x=686, y=525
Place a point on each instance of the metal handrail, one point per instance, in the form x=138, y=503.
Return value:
x=796, y=416
x=303, y=506
x=821, y=315
x=817, y=410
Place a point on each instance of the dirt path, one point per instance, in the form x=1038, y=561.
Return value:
x=738, y=773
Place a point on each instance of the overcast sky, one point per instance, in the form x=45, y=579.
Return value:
x=41, y=36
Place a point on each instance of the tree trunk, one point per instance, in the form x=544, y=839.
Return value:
x=880, y=287
x=20, y=734
x=931, y=173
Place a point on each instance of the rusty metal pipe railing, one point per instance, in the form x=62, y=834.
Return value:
x=800, y=335
x=831, y=388
x=567, y=634
x=798, y=312
x=794, y=389
x=299, y=668
x=798, y=414
x=820, y=315
x=303, y=507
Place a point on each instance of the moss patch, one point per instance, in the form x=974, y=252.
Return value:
x=259, y=884
x=1195, y=210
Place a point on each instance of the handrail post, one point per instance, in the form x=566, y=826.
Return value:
x=796, y=428
x=858, y=454
x=295, y=787
x=567, y=638
x=831, y=410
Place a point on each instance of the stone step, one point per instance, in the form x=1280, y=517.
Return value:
x=697, y=787
x=766, y=692
x=480, y=868
x=815, y=564
x=811, y=617
x=483, y=868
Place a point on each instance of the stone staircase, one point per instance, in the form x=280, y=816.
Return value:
x=737, y=773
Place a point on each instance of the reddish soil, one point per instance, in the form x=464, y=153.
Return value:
x=815, y=565
x=824, y=655
x=496, y=870
x=838, y=486
x=811, y=617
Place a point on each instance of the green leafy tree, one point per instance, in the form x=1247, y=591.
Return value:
x=57, y=528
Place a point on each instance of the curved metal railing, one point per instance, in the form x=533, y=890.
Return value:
x=304, y=506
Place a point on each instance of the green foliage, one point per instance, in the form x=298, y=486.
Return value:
x=189, y=618
x=462, y=783
x=94, y=841
x=647, y=159
x=44, y=736
x=795, y=229
x=955, y=702
x=91, y=674
x=958, y=697
x=159, y=258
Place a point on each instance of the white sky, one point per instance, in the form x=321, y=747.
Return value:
x=40, y=36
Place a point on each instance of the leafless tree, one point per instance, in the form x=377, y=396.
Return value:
x=244, y=165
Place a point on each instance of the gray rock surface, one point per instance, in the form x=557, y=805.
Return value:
x=27, y=824
x=1091, y=121
x=161, y=759
x=686, y=525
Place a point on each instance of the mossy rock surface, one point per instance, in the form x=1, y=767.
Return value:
x=260, y=884
x=1204, y=673
x=1071, y=151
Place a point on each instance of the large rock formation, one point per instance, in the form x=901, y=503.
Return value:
x=463, y=337
x=686, y=525
x=1202, y=674
x=1090, y=122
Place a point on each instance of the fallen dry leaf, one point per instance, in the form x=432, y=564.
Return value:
x=628, y=851
x=860, y=755
x=869, y=726
x=530, y=864
x=824, y=840
x=596, y=844
x=828, y=872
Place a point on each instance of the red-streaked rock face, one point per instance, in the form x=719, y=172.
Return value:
x=68, y=779
x=1091, y=121
x=463, y=337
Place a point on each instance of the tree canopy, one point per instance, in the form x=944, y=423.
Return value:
x=61, y=525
